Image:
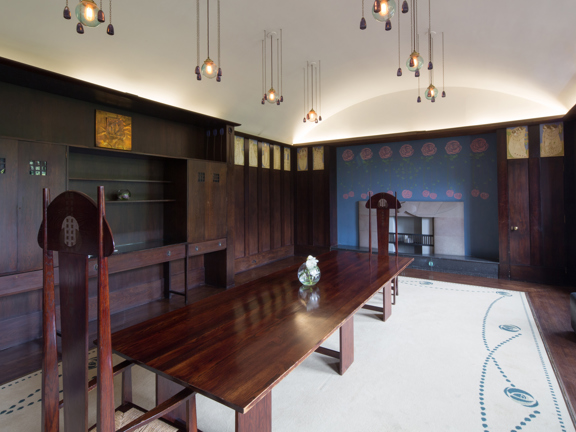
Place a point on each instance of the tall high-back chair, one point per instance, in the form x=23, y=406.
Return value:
x=76, y=227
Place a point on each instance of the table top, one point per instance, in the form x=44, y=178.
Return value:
x=235, y=346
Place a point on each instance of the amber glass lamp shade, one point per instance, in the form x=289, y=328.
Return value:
x=87, y=13
x=383, y=10
x=312, y=115
x=209, y=69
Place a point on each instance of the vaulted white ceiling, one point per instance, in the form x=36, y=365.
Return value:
x=505, y=60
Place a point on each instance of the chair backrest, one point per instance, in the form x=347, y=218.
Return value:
x=383, y=202
x=75, y=226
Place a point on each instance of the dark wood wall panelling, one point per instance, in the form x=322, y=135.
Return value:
x=263, y=210
x=531, y=198
x=570, y=194
x=315, y=205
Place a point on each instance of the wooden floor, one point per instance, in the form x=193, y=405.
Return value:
x=551, y=307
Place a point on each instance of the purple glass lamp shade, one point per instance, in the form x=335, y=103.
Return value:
x=363, y=24
x=277, y=101
x=320, y=118
x=218, y=78
x=399, y=72
x=197, y=70
x=419, y=99
x=417, y=73
x=265, y=97
x=405, y=7
x=79, y=28
x=262, y=101
x=67, y=14
x=304, y=119
x=377, y=6
x=433, y=99
x=388, y=25
x=199, y=77
x=316, y=121
x=281, y=98
x=430, y=65
x=219, y=72
x=101, y=17
x=110, y=30
x=443, y=93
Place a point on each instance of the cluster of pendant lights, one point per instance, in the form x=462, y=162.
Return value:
x=384, y=11
x=90, y=15
x=272, y=95
x=312, y=92
x=209, y=69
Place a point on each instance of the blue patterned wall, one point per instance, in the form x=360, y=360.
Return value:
x=444, y=169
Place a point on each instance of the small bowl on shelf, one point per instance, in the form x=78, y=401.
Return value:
x=124, y=195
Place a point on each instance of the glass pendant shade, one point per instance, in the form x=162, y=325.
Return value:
x=262, y=101
x=386, y=11
x=110, y=30
x=320, y=118
x=312, y=115
x=304, y=120
x=388, y=25
x=399, y=72
x=67, y=14
x=417, y=73
x=363, y=24
x=414, y=62
x=430, y=65
x=281, y=98
x=277, y=101
x=79, y=28
x=419, y=99
x=101, y=17
x=405, y=6
x=443, y=94
x=433, y=99
x=87, y=13
x=209, y=69
x=271, y=96
x=431, y=92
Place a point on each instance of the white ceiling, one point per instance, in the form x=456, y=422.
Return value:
x=505, y=60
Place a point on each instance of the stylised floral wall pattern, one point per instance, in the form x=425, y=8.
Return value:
x=444, y=169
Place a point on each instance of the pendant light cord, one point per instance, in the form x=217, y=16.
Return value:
x=197, y=32
x=110, y=14
x=304, y=92
x=319, y=88
x=278, y=61
x=362, y=8
x=219, y=64
x=281, y=63
x=398, y=40
x=208, y=24
x=263, y=76
x=442, y=61
x=271, y=63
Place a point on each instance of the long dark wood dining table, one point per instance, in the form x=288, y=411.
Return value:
x=236, y=346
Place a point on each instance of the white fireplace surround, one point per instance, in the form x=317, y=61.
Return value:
x=448, y=224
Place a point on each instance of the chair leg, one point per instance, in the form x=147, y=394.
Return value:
x=127, y=386
x=192, y=419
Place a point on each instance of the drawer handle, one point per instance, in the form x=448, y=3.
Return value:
x=169, y=253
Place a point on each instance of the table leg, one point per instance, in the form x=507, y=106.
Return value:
x=185, y=413
x=346, y=345
x=258, y=419
x=387, y=301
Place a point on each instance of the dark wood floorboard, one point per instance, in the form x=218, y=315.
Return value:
x=550, y=304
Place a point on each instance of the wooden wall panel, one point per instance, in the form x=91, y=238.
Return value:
x=503, y=213
x=570, y=198
x=264, y=206
x=9, y=207
x=519, y=207
x=30, y=196
x=275, y=210
x=240, y=209
x=252, y=213
x=287, y=208
x=196, y=200
x=553, y=223
x=216, y=210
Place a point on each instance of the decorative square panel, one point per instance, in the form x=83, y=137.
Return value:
x=39, y=168
x=286, y=159
x=216, y=178
x=2, y=165
x=265, y=155
x=277, y=160
x=302, y=159
x=201, y=177
x=318, y=158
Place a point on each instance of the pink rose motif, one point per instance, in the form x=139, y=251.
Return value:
x=385, y=152
x=458, y=195
x=391, y=193
x=479, y=145
x=406, y=194
x=348, y=155
x=433, y=195
x=450, y=193
x=429, y=149
x=406, y=151
x=484, y=195
x=370, y=193
x=453, y=147
x=364, y=196
x=351, y=194
x=475, y=193
x=426, y=193
x=366, y=154
x=345, y=196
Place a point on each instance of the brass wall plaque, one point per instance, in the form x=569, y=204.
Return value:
x=113, y=131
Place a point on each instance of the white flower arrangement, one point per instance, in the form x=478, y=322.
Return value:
x=309, y=273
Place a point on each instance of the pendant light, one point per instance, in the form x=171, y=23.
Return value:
x=430, y=64
x=415, y=61
x=399, y=71
x=419, y=99
x=272, y=95
x=383, y=11
x=88, y=14
x=431, y=91
x=363, y=20
x=312, y=93
x=209, y=69
x=443, y=92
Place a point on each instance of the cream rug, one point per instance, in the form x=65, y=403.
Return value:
x=451, y=358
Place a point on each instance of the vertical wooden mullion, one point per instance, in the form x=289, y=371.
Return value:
x=246, y=196
x=312, y=205
x=503, y=210
x=535, y=196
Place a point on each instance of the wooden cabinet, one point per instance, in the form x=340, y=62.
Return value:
x=206, y=201
x=28, y=168
x=531, y=214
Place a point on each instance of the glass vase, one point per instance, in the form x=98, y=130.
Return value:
x=308, y=276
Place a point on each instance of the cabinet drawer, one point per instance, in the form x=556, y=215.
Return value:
x=137, y=259
x=206, y=247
